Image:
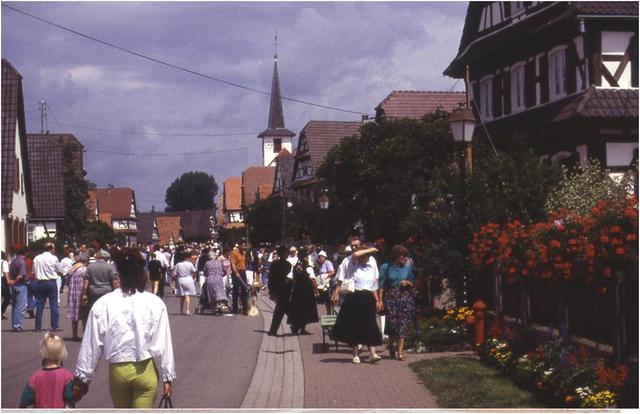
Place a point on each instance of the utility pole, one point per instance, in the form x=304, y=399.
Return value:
x=43, y=115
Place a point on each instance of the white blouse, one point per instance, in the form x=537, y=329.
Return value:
x=364, y=277
x=127, y=328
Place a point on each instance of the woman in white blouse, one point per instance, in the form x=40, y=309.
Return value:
x=131, y=328
x=356, y=322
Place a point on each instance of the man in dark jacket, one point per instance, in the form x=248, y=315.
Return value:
x=279, y=288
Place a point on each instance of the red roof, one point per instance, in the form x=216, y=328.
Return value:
x=321, y=136
x=114, y=201
x=252, y=179
x=417, y=104
x=232, y=194
x=611, y=103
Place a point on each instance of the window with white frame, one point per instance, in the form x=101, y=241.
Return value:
x=486, y=97
x=517, y=87
x=557, y=73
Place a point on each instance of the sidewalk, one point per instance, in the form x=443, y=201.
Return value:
x=332, y=381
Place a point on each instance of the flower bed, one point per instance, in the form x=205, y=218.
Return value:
x=447, y=332
x=561, y=373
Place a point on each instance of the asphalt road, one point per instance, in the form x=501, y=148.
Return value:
x=215, y=359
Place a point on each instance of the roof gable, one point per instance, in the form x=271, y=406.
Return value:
x=284, y=170
x=252, y=179
x=114, y=201
x=320, y=136
x=232, y=197
x=417, y=104
x=46, y=158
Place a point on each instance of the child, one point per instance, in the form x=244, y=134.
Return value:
x=50, y=387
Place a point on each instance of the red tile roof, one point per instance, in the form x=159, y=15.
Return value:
x=252, y=179
x=321, y=136
x=611, y=103
x=232, y=194
x=46, y=161
x=115, y=201
x=416, y=104
x=612, y=8
x=168, y=227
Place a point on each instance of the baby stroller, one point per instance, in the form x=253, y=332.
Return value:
x=218, y=306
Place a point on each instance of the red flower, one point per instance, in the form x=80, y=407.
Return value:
x=615, y=229
x=601, y=290
x=555, y=243
x=604, y=239
x=620, y=250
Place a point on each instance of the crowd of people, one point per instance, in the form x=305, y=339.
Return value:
x=111, y=289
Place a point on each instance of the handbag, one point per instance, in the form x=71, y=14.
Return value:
x=165, y=402
x=347, y=286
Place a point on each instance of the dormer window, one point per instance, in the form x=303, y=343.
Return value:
x=557, y=73
x=277, y=145
x=486, y=97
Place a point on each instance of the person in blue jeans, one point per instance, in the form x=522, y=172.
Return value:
x=17, y=279
x=45, y=267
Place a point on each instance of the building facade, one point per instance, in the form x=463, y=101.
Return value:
x=562, y=74
x=117, y=208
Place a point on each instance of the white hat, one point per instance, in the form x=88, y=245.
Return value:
x=322, y=253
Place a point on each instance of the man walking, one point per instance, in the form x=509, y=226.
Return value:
x=279, y=288
x=239, y=272
x=17, y=283
x=44, y=269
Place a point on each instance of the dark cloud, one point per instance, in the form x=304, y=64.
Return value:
x=348, y=55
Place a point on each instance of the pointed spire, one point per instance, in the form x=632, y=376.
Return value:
x=275, y=126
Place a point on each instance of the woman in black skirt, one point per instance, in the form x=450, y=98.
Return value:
x=356, y=322
x=302, y=308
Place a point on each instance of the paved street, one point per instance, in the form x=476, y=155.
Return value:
x=215, y=359
x=230, y=362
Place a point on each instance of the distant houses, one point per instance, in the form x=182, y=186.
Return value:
x=117, y=208
x=176, y=227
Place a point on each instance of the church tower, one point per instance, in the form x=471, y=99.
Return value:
x=276, y=137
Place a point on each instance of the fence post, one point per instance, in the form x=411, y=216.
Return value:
x=478, y=309
x=563, y=309
x=619, y=324
x=524, y=300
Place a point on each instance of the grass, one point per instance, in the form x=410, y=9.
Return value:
x=464, y=382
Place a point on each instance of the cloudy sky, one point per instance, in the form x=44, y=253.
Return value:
x=346, y=55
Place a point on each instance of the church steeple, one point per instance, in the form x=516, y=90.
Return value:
x=276, y=136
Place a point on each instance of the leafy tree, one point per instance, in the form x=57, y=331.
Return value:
x=264, y=219
x=76, y=194
x=102, y=232
x=194, y=190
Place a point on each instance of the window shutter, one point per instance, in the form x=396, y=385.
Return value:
x=506, y=91
x=530, y=84
x=544, y=79
x=496, y=91
x=570, y=65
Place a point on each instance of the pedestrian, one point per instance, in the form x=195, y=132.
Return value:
x=65, y=266
x=279, y=288
x=44, y=269
x=302, y=308
x=154, y=266
x=99, y=280
x=325, y=281
x=202, y=260
x=131, y=327
x=215, y=291
x=50, y=386
x=395, y=290
x=224, y=258
x=32, y=300
x=185, y=284
x=238, y=270
x=6, y=289
x=292, y=259
x=356, y=322
x=17, y=283
x=75, y=281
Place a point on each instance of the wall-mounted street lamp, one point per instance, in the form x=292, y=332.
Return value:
x=323, y=200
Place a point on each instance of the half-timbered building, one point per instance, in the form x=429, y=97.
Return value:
x=562, y=74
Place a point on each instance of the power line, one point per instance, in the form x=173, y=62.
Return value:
x=180, y=68
x=184, y=154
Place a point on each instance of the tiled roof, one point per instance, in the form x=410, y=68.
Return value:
x=47, y=177
x=106, y=218
x=321, y=136
x=416, y=104
x=613, y=8
x=168, y=226
x=602, y=103
x=252, y=179
x=265, y=190
x=115, y=201
x=12, y=113
x=67, y=139
x=232, y=199
x=145, y=227
x=284, y=165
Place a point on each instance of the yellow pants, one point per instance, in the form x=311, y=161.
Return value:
x=133, y=384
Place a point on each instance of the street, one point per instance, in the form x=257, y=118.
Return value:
x=215, y=359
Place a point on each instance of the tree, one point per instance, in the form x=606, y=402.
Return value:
x=76, y=194
x=194, y=190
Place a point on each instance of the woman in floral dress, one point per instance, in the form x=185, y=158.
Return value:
x=395, y=288
x=74, y=281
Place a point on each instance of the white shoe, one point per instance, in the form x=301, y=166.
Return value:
x=355, y=360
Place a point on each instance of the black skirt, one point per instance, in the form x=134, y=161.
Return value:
x=356, y=322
